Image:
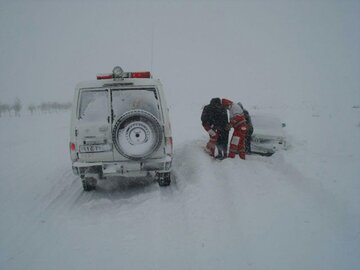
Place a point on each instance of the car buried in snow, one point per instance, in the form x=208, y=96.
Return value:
x=120, y=126
x=268, y=136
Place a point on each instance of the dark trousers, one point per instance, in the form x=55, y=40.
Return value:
x=222, y=142
x=249, y=132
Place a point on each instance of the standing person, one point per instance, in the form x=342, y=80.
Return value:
x=221, y=124
x=215, y=121
x=238, y=122
x=250, y=129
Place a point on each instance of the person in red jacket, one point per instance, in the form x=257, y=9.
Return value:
x=250, y=129
x=238, y=122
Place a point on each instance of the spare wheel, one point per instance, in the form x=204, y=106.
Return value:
x=137, y=134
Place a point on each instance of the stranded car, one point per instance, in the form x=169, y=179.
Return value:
x=120, y=127
x=269, y=135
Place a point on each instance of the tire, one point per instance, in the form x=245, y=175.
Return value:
x=89, y=184
x=137, y=134
x=164, y=179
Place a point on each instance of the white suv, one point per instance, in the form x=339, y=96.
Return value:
x=120, y=127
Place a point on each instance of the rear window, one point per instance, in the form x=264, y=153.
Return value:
x=135, y=99
x=94, y=105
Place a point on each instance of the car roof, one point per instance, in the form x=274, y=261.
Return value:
x=117, y=83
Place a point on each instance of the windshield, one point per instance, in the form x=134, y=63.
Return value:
x=135, y=99
x=94, y=105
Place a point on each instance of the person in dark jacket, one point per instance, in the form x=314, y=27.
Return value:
x=215, y=121
x=250, y=129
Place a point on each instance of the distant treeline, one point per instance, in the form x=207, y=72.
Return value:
x=44, y=107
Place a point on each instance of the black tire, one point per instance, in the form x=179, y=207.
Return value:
x=89, y=184
x=137, y=134
x=164, y=179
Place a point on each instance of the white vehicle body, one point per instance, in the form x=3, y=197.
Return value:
x=268, y=134
x=120, y=126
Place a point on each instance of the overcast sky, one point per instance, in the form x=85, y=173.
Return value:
x=265, y=51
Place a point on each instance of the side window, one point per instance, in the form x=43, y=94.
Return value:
x=94, y=105
x=135, y=99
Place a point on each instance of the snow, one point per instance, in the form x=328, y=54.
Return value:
x=94, y=106
x=267, y=125
x=298, y=61
x=298, y=209
x=134, y=99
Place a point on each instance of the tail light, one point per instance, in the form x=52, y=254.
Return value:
x=169, y=145
x=72, y=147
x=73, y=154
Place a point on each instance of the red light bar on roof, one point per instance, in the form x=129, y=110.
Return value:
x=104, y=76
x=123, y=75
x=142, y=75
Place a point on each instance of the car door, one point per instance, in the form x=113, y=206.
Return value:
x=93, y=126
x=137, y=123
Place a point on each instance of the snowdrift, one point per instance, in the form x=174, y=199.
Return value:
x=298, y=209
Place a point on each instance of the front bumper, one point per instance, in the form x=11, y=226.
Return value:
x=129, y=168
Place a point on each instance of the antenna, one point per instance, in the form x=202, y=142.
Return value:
x=152, y=49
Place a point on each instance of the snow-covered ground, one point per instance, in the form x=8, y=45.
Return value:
x=299, y=209
x=296, y=60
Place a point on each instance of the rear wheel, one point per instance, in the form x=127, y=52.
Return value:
x=89, y=183
x=164, y=179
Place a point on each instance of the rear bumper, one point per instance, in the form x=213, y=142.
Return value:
x=123, y=168
x=268, y=143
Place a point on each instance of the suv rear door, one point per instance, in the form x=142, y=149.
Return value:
x=140, y=134
x=93, y=126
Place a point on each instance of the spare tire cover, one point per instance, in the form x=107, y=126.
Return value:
x=137, y=134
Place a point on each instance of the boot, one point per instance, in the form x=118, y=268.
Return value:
x=220, y=156
x=248, y=146
x=242, y=155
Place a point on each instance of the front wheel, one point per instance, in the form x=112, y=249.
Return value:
x=164, y=179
